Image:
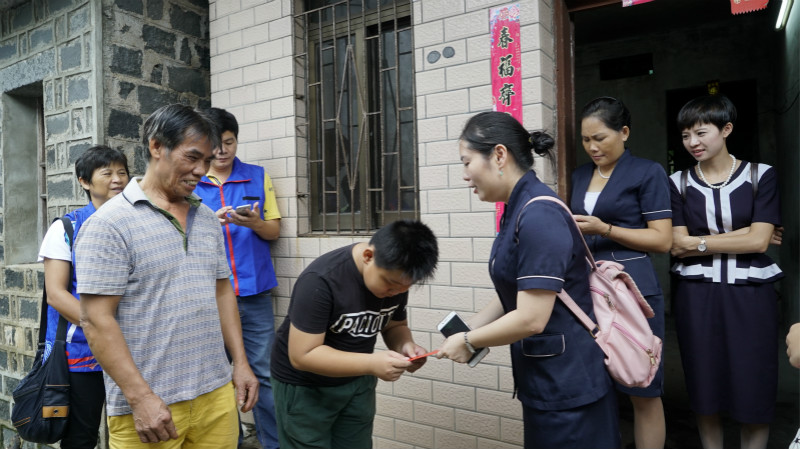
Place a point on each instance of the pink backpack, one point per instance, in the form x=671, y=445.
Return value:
x=632, y=352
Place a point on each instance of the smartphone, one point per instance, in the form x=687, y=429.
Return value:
x=244, y=209
x=453, y=324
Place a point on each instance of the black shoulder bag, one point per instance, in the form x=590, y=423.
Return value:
x=41, y=399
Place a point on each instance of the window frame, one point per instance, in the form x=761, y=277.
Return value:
x=364, y=190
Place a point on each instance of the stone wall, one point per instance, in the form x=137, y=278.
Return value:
x=154, y=53
x=99, y=67
x=46, y=51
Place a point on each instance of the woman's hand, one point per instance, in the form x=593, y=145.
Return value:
x=591, y=225
x=793, y=345
x=683, y=244
x=777, y=236
x=455, y=349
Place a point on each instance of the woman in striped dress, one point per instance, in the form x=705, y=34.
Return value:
x=724, y=213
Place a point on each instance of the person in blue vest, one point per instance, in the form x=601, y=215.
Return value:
x=231, y=183
x=103, y=173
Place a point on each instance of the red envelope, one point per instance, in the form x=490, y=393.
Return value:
x=411, y=359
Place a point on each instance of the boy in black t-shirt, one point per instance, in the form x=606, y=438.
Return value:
x=324, y=370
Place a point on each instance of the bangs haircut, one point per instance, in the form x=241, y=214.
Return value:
x=409, y=246
x=717, y=110
x=98, y=156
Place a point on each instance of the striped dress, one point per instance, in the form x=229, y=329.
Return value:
x=725, y=305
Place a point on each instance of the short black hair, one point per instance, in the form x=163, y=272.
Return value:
x=717, y=110
x=224, y=120
x=610, y=111
x=98, y=156
x=484, y=131
x=172, y=124
x=406, y=245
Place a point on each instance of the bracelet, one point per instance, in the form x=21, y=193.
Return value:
x=469, y=345
x=605, y=234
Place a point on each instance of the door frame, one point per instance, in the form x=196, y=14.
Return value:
x=565, y=86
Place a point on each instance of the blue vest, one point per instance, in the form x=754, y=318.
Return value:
x=248, y=254
x=79, y=355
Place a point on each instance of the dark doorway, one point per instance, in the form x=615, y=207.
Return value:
x=692, y=43
x=743, y=141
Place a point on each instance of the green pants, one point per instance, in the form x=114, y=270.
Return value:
x=325, y=417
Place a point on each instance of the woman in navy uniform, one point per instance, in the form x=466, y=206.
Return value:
x=559, y=371
x=622, y=205
x=726, y=307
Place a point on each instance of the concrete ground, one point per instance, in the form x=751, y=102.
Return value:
x=681, y=428
x=250, y=441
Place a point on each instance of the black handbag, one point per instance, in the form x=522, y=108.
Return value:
x=41, y=399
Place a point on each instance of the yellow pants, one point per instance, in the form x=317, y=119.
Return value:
x=209, y=421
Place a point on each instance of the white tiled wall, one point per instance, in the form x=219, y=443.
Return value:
x=443, y=405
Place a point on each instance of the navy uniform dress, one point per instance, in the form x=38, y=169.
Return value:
x=726, y=311
x=560, y=374
x=637, y=192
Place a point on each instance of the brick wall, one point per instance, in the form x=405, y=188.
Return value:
x=252, y=75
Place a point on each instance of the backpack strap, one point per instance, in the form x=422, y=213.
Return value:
x=61, y=330
x=684, y=183
x=587, y=322
x=589, y=257
x=754, y=178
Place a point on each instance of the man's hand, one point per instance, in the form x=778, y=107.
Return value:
x=389, y=365
x=793, y=345
x=250, y=219
x=246, y=385
x=222, y=214
x=153, y=419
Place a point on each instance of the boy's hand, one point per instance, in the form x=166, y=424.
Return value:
x=413, y=350
x=389, y=365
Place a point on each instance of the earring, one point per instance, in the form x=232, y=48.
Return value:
x=501, y=172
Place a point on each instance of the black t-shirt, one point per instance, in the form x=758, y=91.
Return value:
x=330, y=296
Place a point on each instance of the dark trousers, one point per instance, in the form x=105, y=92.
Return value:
x=337, y=417
x=86, y=397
